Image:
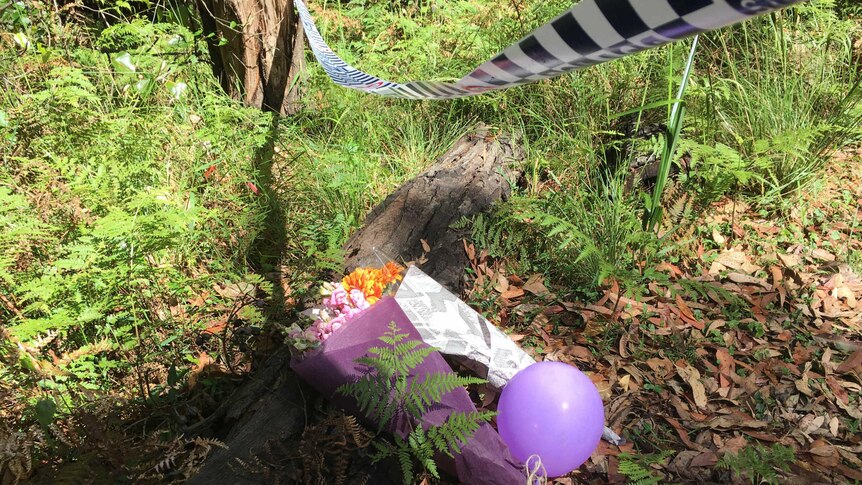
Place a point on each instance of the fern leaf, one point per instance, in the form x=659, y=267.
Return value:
x=435, y=386
x=405, y=459
x=386, y=415
x=382, y=450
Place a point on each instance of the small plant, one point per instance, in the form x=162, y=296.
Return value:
x=390, y=390
x=636, y=467
x=653, y=211
x=758, y=463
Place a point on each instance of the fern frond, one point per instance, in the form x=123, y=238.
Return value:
x=389, y=387
x=457, y=430
x=435, y=386
x=637, y=474
x=405, y=363
x=405, y=459
x=423, y=449
x=382, y=450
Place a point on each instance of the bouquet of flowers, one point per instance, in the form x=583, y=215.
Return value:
x=344, y=336
x=343, y=300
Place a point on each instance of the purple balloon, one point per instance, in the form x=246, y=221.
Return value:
x=552, y=410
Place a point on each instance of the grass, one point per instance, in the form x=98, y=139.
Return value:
x=141, y=207
x=118, y=207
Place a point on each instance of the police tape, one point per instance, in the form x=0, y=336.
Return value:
x=589, y=33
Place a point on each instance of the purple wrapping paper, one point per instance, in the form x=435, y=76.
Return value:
x=485, y=459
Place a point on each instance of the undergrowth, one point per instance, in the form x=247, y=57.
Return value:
x=137, y=201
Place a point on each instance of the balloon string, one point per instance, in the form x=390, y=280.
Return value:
x=536, y=475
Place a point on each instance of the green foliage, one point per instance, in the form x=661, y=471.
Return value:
x=636, y=468
x=109, y=226
x=585, y=236
x=124, y=173
x=775, y=95
x=140, y=34
x=653, y=210
x=390, y=390
x=758, y=463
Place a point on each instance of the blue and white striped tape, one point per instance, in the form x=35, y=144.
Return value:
x=589, y=33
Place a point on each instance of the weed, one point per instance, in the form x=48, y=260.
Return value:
x=796, y=81
x=636, y=467
x=759, y=463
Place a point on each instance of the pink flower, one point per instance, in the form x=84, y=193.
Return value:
x=337, y=322
x=338, y=299
x=323, y=329
x=358, y=299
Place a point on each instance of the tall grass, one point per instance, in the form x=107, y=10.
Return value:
x=774, y=91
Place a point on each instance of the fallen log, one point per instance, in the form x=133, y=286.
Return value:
x=467, y=180
x=271, y=408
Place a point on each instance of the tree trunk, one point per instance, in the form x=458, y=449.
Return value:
x=256, y=47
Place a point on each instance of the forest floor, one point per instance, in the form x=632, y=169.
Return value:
x=157, y=237
x=751, y=349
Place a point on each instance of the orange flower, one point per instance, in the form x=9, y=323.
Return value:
x=390, y=273
x=372, y=282
x=367, y=281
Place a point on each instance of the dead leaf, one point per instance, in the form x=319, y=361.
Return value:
x=733, y=445
x=837, y=390
x=746, y=279
x=208, y=173
x=512, y=293
x=232, y=291
x=824, y=454
x=833, y=426
x=726, y=366
x=517, y=337
x=705, y=459
x=789, y=260
x=802, y=383
x=470, y=249
x=733, y=258
x=602, y=384
x=851, y=363
x=683, y=434
x=425, y=246
x=692, y=376
x=204, y=361
x=535, y=286
x=502, y=283
x=849, y=472
x=683, y=308
x=624, y=382
x=811, y=423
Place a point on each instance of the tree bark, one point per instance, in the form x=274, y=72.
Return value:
x=473, y=175
x=256, y=47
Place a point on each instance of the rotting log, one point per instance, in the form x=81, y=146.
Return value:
x=272, y=406
x=467, y=180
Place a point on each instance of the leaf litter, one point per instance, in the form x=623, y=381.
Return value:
x=767, y=352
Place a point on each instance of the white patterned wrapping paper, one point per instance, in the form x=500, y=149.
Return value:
x=447, y=323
